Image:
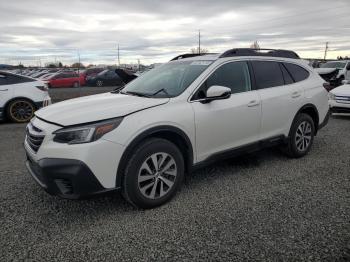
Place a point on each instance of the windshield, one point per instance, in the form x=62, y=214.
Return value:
x=168, y=80
x=338, y=65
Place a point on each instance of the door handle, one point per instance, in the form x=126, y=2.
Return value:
x=253, y=103
x=296, y=94
x=4, y=90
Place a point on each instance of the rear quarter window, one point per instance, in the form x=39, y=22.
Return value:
x=297, y=72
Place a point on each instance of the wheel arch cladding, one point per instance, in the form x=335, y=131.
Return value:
x=312, y=111
x=170, y=133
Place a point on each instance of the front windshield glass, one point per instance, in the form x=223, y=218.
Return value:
x=168, y=80
x=338, y=65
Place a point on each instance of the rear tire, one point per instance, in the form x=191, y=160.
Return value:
x=301, y=136
x=20, y=110
x=153, y=174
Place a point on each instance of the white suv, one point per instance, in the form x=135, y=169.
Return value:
x=175, y=118
x=20, y=96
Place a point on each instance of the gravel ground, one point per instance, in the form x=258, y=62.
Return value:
x=262, y=206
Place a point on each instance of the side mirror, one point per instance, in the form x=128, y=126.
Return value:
x=217, y=93
x=348, y=66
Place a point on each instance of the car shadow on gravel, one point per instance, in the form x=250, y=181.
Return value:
x=112, y=203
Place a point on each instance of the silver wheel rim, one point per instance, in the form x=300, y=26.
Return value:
x=157, y=175
x=303, y=136
x=99, y=83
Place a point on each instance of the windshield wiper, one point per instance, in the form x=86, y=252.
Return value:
x=161, y=90
x=135, y=94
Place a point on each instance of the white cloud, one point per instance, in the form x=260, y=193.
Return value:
x=155, y=31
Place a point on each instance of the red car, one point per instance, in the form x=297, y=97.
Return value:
x=66, y=79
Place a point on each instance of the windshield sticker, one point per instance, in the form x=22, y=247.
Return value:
x=202, y=63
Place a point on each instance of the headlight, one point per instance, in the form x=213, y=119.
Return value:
x=331, y=96
x=85, y=133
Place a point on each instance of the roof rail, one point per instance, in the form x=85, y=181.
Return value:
x=183, y=56
x=260, y=52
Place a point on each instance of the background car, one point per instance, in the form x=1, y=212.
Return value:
x=339, y=99
x=20, y=97
x=65, y=79
x=107, y=77
x=92, y=72
x=335, y=72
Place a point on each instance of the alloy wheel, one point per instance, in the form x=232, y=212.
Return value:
x=22, y=111
x=157, y=175
x=303, y=136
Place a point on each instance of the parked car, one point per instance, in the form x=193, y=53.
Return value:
x=173, y=119
x=335, y=72
x=339, y=99
x=105, y=78
x=20, y=96
x=91, y=72
x=65, y=79
x=126, y=75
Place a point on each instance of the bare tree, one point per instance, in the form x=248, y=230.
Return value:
x=196, y=50
x=255, y=45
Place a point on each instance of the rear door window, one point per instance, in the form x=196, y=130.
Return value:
x=298, y=73
x=267, y=74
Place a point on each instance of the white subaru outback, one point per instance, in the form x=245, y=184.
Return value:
x=173, y=119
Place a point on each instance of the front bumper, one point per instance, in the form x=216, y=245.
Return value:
x=66, y=178
x=339, y=107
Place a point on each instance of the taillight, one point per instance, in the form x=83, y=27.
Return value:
x=43, y=88
x=327, y=86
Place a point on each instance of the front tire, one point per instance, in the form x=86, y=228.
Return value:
x=20, y=110
x=301, y=136
x=154, y=173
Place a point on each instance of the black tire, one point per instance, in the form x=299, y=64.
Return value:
x=131, y=189
x=296, y=141
x=20, y=110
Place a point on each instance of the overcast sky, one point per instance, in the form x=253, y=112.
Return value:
x=155, y=31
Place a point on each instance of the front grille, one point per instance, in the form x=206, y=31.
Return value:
x=34, y=137
x=343, y=99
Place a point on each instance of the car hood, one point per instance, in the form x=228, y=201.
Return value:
x=96, y=107
x=323, y=71
x=343, y=90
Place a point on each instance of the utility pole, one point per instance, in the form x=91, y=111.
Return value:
x=325, y=51
x=79, y=72
x=118, y=56
x=199, y=42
